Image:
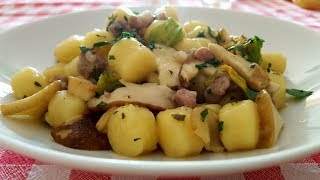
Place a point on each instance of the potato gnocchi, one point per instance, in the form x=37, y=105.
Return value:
x=147, y=81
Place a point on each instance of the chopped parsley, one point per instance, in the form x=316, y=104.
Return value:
x=201, y=35
x=111, y=21
x=115, y=112
x=37, y=84
x=136, y=13
x=269, y=67
x=100, y=36
x=84, y=48
x=123, y=115
x=125, y=18
x=123, y=35
x=152, y=45
x=251, y=94
x=214, y=63
x=239, y=48
x=111, y=57
x=171, y=72
x=96, y=73
x=178, y=117
x=298, y=93
x=210, y=33
x=101, y=104
x=209, y=91
x=201, y=66
x=129, y=97
x=136, y=139
x=220, y=125
x=204, y=114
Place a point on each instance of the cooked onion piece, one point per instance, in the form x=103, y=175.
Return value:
x=40, y=99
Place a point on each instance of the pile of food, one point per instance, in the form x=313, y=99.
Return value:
x=147, y=79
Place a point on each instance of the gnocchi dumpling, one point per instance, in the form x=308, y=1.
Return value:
x=239, y=125
x=96, y=36
x=176, y=136
x=63, y=107
x=55, y=71
x=131, y=60
x=190, y=25
x=27, y=82
x=68, y=49
x=187, y=44
x=132, y=130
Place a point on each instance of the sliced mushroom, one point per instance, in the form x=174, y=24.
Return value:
x=80, y=133
x=270, y=120
x=188, y=71
x=254, y=75
x=154, y=96
x=169, y=63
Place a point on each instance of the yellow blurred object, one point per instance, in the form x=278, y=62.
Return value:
x=308, y=4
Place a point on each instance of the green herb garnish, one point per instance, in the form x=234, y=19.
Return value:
x=100, y=36
x=251, y=94
x=152, y=45
x=269, y=67
x=210, y=33
x=298, y=93
x=37, y=84
x=178, y=117
x=111, y=21
x=123, y=115
x=96, y=73
x=209, y=91
x=136, y=139
x=204, y=114
x=239, y=48
x=214, y=63
x=252, y=65
x=101, y=104
x=111, y=57
x=201, y=35
x=220, y=125
x=253, y=49
x=123, y=35
x=125, y=18
x=171, y=72
x=201, y=66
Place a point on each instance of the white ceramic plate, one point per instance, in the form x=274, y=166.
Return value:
x=32, y=45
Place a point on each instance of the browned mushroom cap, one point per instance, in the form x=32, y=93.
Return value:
x=80, y=133
x=254, y=75
x=153, y=96
x=270, y=120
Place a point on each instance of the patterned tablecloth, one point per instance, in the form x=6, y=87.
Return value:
x=17, y=12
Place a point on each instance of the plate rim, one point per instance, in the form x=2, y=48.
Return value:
x=151, y=168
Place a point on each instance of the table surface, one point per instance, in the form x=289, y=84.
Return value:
x=16, y=12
